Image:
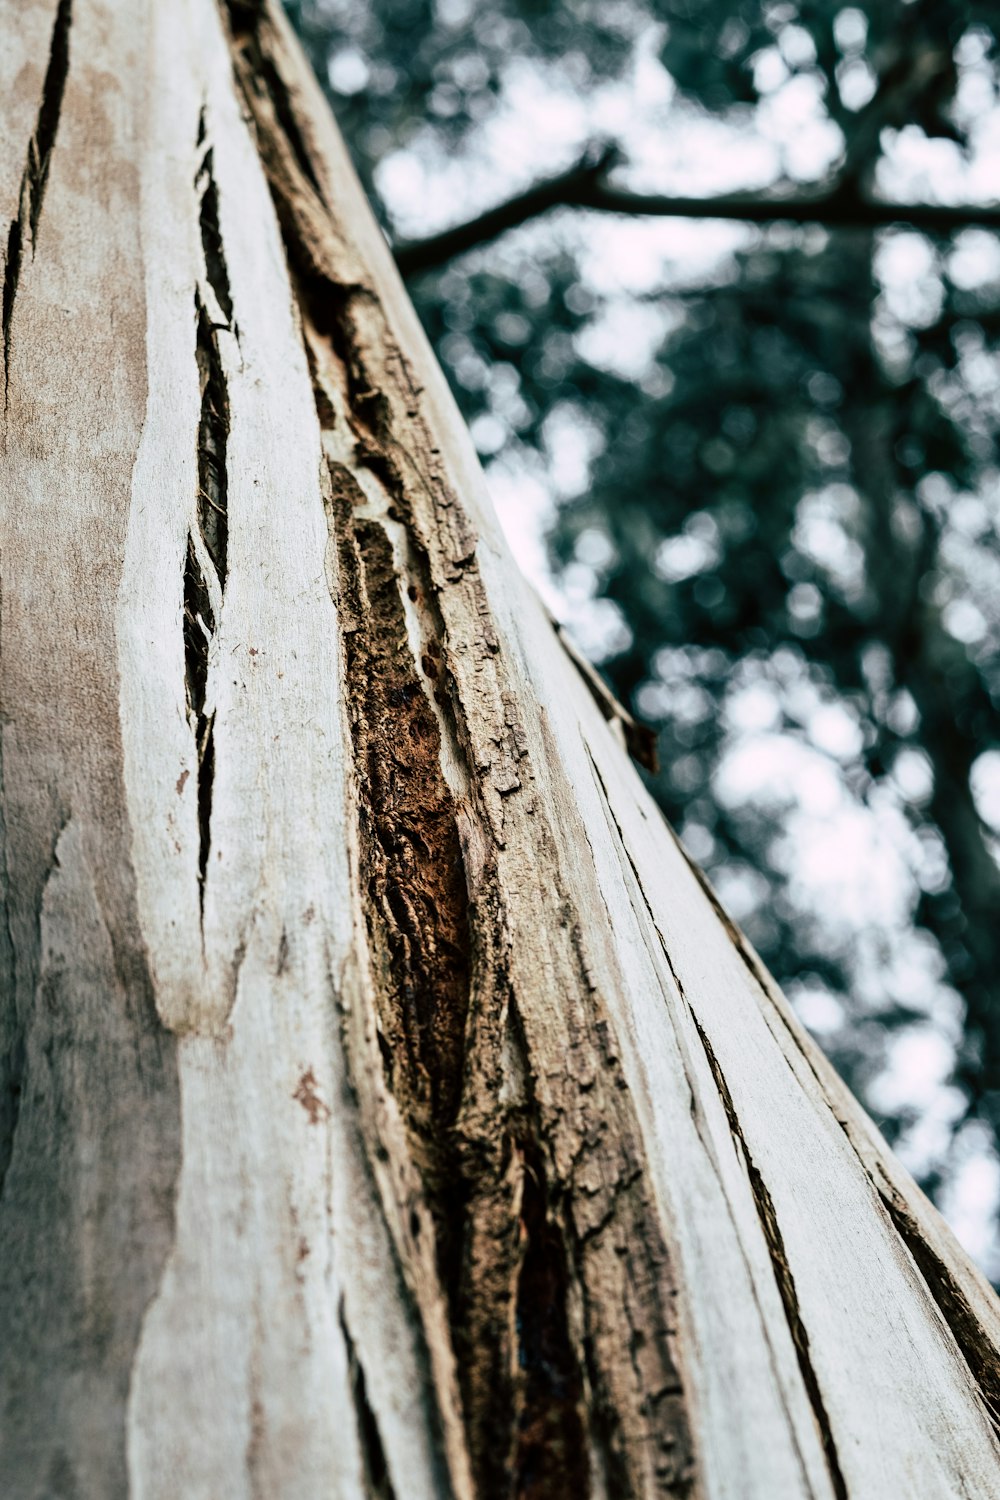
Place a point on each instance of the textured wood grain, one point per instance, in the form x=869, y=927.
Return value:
x=388, y=1108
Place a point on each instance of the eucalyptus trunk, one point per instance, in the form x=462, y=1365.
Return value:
x=388, y=1108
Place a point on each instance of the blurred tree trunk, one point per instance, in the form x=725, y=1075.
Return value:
x=956, y=715
x=387, y=1107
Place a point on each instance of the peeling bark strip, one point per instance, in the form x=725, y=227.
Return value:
x=36, y=172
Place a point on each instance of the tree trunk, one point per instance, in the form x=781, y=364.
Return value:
x=388, y=1108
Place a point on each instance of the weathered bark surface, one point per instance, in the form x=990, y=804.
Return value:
x=387, y=1109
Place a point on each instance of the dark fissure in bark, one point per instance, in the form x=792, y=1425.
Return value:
x=500, y=1251
x=413, y=874
x=245, y=17
x=415, y=871
x=212, y=508
x=213, y=436
x=213, y=528
x=199, y=625
x=36, y=171
x=40, y=150
x=551, y=1453
x=378, y=1483
x=11, y=275
x=211, y=234
x=782, y=1273
x=12, y=1068
x=977, y=1350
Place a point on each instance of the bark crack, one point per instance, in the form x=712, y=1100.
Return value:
x=206, y=569
x=378, y=1482
x=199, y=628
x=943, y=1287
x=211, y=234
x=414, y=864
x=207, y=560
x=977, y=1350
x=12, y=1072
x=244, y=20
x=696, y=1111
x=36, y=173
x=213, y=437
x=551, y=1456
x=782, y=1271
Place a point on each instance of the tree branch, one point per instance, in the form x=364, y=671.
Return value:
x=585, y=185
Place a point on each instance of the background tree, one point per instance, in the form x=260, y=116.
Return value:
x=792, y=502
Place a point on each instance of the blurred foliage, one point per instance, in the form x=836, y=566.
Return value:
x=801, y=489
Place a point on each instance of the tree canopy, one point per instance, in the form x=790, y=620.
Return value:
x=769, y=454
